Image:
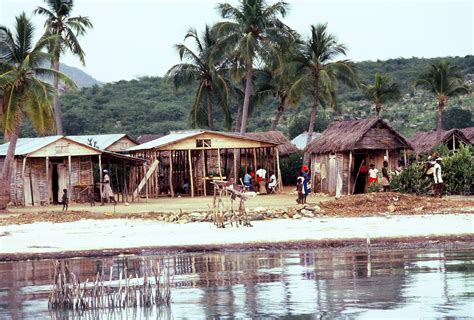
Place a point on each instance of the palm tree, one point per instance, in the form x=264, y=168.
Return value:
x=440, y=80
x=381, y=91
x=22, y=92
x=213, y=86
x=252, y=33
x=318, y=73
x=59, y=22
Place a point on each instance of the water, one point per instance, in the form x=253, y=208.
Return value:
x=306, y=284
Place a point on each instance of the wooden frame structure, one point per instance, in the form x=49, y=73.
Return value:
x=200, y=157
x=425, y=142
x=345, y=146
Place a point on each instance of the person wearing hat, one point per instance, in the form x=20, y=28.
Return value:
x=306, y=183
x=107, y=192
x=438, y=179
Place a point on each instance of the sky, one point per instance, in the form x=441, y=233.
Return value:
x=134, y=38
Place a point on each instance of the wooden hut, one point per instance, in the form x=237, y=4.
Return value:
x=425, y=142
x=118, y=142
x=345, y=146
x=198, y=157
x=469, y=133
x=285, y=146
x=44, y=166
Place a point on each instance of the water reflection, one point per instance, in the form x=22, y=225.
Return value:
x=252, y=284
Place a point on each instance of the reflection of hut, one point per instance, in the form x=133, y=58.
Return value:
x=301, y=140
x=469, y=133
x=285, y=146
x=111, y=142
x=425, y=142
x=198, y=157
x=44, y=166
x=345, y=146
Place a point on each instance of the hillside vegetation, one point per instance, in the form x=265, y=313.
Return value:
x=151, y=105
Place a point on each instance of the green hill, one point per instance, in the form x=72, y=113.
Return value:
x=149, y=105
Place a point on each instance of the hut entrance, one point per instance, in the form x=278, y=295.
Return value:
x=58, y=180
x=359, y=173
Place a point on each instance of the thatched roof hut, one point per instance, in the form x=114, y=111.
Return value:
x=469, y=133
x=285, y=146
x=372, y=133
x=424, y=142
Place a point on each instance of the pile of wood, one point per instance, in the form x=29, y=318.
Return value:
x=220, y=214
x=69, y=293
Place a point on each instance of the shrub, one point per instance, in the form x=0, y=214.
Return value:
x=290, y=168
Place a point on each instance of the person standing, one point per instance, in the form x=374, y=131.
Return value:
x=373, y=174
x=261, y=179
x=438, y=179
x=299, y=189
x=306, y=182
x=107, y=192
x=385, y=177
x=65, y=200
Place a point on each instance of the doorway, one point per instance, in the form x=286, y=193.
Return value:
x=360, y=173
x=58, y=180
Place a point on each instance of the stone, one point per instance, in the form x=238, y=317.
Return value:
x=183, y=221
x=297, y=216
x=306, y=213
x=259, y=209
x=391, y=208
x=317, y=208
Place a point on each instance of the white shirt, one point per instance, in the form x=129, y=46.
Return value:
x=262, y=173
x=273, y=181
x=437, y=173
x=373, y=173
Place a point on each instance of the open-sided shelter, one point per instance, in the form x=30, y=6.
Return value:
x=199, y=157
x=44, y=166
x=338, y=155
x=469, y=133
x=425, y=142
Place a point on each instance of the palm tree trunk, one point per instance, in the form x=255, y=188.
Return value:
x=210, y=120
x=5, y=177
x=378, y=108
x=312, y=119
x=248, y=92
x=57, y=104
x=440, y=121
x=238, y=119
x=278, y=114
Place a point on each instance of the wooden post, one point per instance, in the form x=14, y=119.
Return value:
x=100, y=179
x=23, y=180
x=191, y=180
x=146, y=181
x=235, y=165
x=124, y=186
x=219, y=162
x=349, y=174
x=405, y=157
x=388, y=160
x=170, y=174
x=254, y=160
x=204, y=172
x=69, y=185
x=47, y=181
x=454, y=144
x=280, y=184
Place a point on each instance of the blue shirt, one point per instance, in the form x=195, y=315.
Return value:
x=247, y=178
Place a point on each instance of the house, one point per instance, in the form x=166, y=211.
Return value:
x=425, y=142
x=44, y=166
x=345, y=147
x=301, y=140
x=285, y=146
x=199, y=157
x=110, y=142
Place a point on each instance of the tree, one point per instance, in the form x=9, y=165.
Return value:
x=440, y=80
x=381, y=91
x=59, y=22
x=22, y=92
x=457, y=118
x=209, y=75
x=318, y=73
x=251, y=34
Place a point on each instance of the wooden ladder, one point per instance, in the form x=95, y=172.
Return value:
x=147, y=176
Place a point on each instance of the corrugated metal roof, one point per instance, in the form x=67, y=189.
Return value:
x=301, y=140
x=171, y=138
x=25, y=146
x=102, y=141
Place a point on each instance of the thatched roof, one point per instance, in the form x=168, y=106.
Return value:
x=285, y=146
x=371, y=133
x=424, y=142
x=469, y=133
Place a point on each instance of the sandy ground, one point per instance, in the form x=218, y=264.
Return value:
x=50, y=237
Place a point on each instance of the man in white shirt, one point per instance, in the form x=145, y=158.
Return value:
x=438, y=179
x=261, y=176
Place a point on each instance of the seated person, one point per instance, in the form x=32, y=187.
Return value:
x=272, y=182
x=248, y=180
x=186, y=186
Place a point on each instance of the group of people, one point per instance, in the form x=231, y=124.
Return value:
x=257, y=181
x=374, y=176
x=303, y=185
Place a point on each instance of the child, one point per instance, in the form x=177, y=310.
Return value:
x=299, y=189
x=65, y=200
x=373, y=174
